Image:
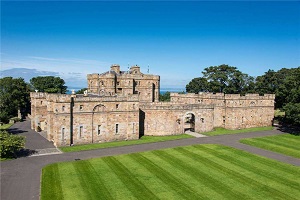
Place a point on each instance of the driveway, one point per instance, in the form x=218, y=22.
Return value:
x=20, y=178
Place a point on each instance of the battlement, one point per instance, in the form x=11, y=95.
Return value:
x=173, y=106
x=250, y=96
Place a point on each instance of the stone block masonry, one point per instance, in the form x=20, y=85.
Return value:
x=124, y=105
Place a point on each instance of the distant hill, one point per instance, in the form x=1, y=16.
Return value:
x=25, y=73
x=73, y=79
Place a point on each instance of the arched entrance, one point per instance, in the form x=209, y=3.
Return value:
x=189, y=122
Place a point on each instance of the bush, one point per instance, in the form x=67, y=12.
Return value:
x=292, y=113
x=10, y=144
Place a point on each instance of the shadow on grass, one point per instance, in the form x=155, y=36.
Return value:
x=294, y=130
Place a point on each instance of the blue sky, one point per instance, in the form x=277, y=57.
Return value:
x=176, y=39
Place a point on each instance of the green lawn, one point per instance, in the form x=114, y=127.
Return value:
x=223, y=131
x=285, y=144
x=5, y=126
x=190, y=172
x=142, y=140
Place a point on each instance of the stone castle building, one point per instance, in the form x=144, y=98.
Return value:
x=124, y=105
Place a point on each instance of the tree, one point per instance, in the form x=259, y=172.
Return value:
x=292, y=113
x=14, y=96
x=81, y=91
x=222, y=78
x=197, y=85
x=10, y=144
x=165, y=97
x=48, y=84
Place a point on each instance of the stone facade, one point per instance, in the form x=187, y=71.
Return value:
x=125, y=105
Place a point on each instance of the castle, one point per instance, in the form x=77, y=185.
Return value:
x=124, y=105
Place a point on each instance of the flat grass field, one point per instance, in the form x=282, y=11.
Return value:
x=144, y=139
x=285, y=144
x=190, y=172
x=223, y=131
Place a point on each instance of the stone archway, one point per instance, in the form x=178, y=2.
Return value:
x=189, y=122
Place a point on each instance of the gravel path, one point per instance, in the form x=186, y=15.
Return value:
x=20, y=178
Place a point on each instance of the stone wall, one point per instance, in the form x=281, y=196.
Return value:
x=125, y=83
x=169, y=118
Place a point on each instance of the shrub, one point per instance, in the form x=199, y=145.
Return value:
x=10, y=144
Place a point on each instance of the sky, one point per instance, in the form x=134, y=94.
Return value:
x=176, y=39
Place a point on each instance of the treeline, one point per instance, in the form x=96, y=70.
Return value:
x=285, y=84
x=15, y=93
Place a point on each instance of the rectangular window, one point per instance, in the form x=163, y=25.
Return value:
x=133, y=128
x=80, y=131
x=81, y=107
x=63, y=108
x=62, y=134
x=99, y=129
x=41, y=102
x=117, y=106
x=117, y=128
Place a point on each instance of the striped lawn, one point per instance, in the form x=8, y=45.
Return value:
x=285, y=144
x=191, y=172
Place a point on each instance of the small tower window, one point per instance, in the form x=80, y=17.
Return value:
x=117, y=128
x=81, y=107
x=63, y=108
x=99, y=129
x=80, y=131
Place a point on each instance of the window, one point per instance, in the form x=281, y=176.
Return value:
x=133, y=128
x=80, y=131
x=62, y=134
x=63, y=108
x=117, y=106
x=117, y=128
x=81, y=107
x=202, y=120
x=99, y=129
x=41, y=102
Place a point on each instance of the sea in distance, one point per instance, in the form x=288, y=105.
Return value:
x=162, y=90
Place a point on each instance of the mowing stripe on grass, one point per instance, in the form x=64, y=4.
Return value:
x=234, y=174
x=288, y=138
x=250, y=168
x=276, y=166
x=51, y=183
x=213, y=183
x=182, y=189
x=137, y=188
x=278, y=143
x=91, y=181
x=272, y=147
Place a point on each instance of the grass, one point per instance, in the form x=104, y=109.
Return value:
x=190, y=172
x=223, y=131
x=286, y=144
x=142, y=140
x=5, y=126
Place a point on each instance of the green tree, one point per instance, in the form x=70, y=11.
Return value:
x=14, y=96
x=48, y=84
x=197, y=85
x=10, y=144
x=165, y=97
x=222, y=78
x=292, y=113
x=81, y=91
